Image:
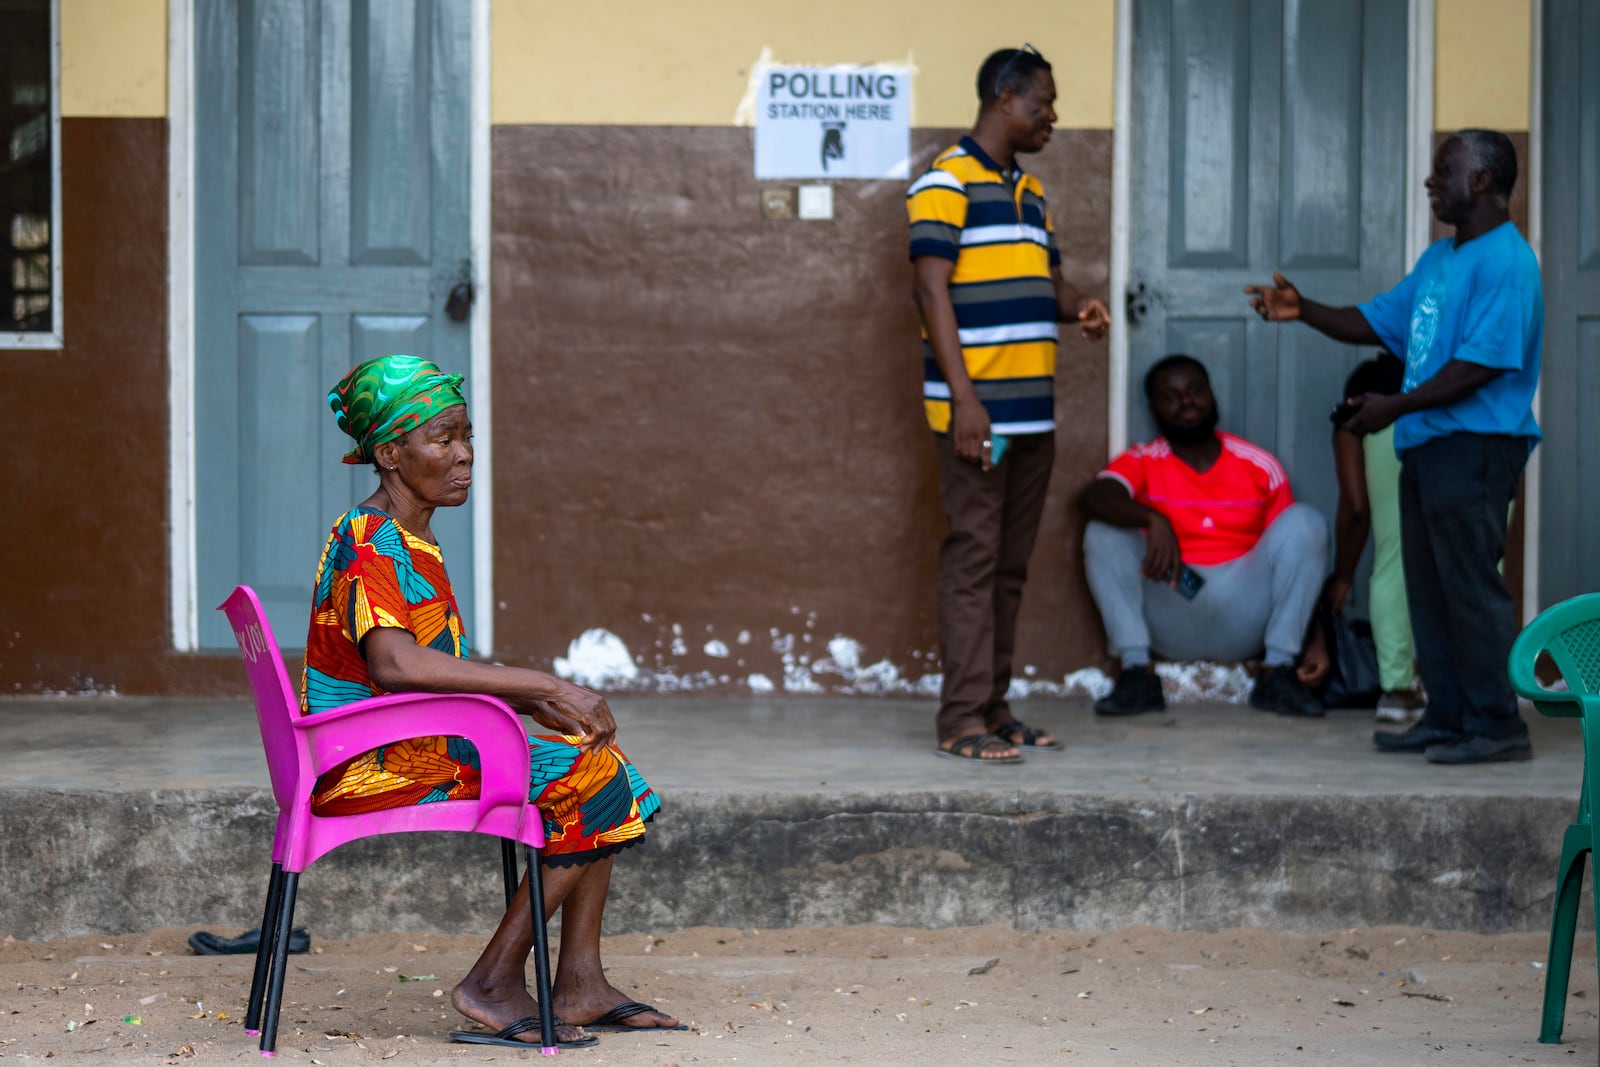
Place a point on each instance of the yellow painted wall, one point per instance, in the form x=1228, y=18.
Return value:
x=1482, y=63
x=114, y=58
x=687, y=63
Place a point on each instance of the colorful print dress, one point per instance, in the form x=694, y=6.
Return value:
x=374, y=572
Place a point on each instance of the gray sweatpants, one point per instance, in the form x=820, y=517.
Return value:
x=1260, y=602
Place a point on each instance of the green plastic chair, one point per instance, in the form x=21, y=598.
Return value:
x=1570, y=634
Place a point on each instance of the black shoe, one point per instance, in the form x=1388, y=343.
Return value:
x=1137, y=690
x=205, y=943
x=1475, y=748
x=1419, y=738
x=1279, y=689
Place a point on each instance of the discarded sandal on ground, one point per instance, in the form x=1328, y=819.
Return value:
x=1022, y=735
x=528, y=1024
x=972, y=747
x=613, y=1021
x=205, y=943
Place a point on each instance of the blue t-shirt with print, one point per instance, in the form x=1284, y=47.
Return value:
x=1480, y=302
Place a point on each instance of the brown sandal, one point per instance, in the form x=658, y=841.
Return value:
x=972, y=747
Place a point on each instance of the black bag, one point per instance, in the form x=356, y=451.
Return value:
x=1353, y=662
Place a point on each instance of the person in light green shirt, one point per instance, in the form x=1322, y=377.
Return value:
x=1369, y=501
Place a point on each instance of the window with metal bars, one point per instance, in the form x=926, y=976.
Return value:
x=29, y=219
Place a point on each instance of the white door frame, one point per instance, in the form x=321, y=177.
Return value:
x=181, y=518
x=1534, y=176
x=1419, y=159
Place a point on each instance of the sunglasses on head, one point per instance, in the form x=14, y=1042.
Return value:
x=1005, y=68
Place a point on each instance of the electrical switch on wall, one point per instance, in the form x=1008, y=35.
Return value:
x=816, y=202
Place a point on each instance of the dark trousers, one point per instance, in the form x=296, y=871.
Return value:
x=1455, y=493
x=993, y=520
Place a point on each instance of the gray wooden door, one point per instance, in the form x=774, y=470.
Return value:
x=1569, y=504
x=1266, y=135
x=332, y=222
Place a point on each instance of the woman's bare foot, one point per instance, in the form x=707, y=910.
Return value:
x=590, y=999
x=499, y=1008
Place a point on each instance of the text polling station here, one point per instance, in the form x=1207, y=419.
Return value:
x=833, y=122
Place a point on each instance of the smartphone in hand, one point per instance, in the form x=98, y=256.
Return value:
x=997, y=448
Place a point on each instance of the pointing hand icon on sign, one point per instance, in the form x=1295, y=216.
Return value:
x=832, y=142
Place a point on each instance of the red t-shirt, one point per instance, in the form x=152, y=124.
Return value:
x=1219, y=515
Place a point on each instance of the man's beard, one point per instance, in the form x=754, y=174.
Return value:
x=1198, y=434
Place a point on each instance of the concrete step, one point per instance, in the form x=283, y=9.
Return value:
x=821, y=812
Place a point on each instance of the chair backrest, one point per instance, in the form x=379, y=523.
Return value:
x=1569, y=633
x=275, y=702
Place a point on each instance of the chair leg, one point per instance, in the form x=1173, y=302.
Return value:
x=269, y=922
x=541, y=955
x=508, y=864
x=1563, y=925
x=280, y=962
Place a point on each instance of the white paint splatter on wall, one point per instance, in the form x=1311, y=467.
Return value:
x=598, y=658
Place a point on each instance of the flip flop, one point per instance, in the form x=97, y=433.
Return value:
x=528, y=1024
x=1029, y=736
x=969, y=748
x=612, y=1022
x=206, y=943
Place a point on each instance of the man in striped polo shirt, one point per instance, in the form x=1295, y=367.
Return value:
x=990, y=291
x=1196, y=550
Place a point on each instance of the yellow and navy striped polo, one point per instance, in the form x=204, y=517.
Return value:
x=996, y=229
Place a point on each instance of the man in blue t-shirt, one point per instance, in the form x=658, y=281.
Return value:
x=1469, y=318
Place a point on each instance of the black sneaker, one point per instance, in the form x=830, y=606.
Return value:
x=1137, y=690
x=1279, y=689
x=1475, y=748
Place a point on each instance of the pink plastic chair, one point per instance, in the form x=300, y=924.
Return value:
x=299, y=748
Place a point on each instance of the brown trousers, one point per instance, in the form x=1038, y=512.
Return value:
x=993, y=520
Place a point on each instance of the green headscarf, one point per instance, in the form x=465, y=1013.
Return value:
x=384, y=398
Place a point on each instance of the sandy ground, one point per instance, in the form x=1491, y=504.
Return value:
x=1388, y=995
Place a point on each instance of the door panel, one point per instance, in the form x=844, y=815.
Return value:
x=332, y=208
x=1267, y=135
x=279, y=133
x=389, y=186
x=1570, y=261
x=278, y=363
x=1210, y=74
x=1320, y=198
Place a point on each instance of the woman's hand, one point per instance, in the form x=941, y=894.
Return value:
x=579, y=712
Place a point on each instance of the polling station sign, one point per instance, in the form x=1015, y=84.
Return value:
x=833, y=122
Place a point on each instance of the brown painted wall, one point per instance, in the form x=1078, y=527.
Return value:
x=702, y=417
x=83, y=605
x=708, y=419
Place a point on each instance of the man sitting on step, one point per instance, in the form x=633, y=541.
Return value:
x=1196, y=550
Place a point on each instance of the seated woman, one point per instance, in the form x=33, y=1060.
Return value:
x=384, y=620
